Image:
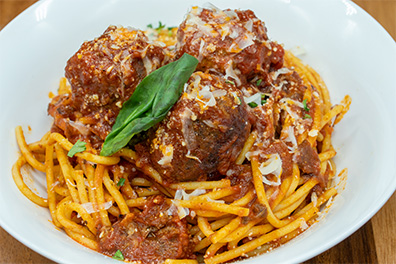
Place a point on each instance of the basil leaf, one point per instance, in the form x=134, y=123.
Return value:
x=118, y=255
x=150, y=102
x=78, y=147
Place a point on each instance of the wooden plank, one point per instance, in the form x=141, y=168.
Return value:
x=13, y=251
x=384, y=229
x=384, y=11
x=9, y=9
x=375, y=242
x=358, y=248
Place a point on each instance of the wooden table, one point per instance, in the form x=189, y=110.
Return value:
x=375, y=242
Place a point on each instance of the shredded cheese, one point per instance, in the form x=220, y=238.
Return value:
x=291, y=138
x=167, y=152
x=182, y=195
x=272, y=166
x=279, y=72
x=255, y=98
x=90, y=208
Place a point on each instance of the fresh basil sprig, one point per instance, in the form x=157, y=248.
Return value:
x=150, y=102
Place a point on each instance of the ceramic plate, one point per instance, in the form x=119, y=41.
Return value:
x=344, y=44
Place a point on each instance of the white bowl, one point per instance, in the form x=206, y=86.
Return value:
x=344, y=44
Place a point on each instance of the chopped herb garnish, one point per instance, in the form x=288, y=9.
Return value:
x=307, y=116
x=259, y=82
x=78, y=147
x=121, y=182
x=252, y=104
x=159, y=28
x=264, y=98
x=118, y=255
x=160, y=25
x=305, y=105
x=230, y=82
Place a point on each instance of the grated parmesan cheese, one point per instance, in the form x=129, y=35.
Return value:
x=188, y=155
x=313, y=133
x=80, y=127
x=272, y=166
x=233, y=73
x=89, y=207
x=147, y=65
x=256, y=98
x=167, y=153
x=314, y=199
x=283, y=70
x=291, y=138
x=304, y=225
x=182, y=195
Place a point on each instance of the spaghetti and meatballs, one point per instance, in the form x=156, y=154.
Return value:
x=238, y=164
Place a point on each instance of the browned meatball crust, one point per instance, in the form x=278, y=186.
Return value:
x=151, y=236
x=203, y=133
x=103, y=74
x=107, y=69
x=231, y=42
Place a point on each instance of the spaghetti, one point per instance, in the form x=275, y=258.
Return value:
x=278, y=181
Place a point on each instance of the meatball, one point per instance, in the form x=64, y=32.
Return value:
x=108, y=68
x=149, y=237
x=203, y=133
x=231, y=42
x=103, y=74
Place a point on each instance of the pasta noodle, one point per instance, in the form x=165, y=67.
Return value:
x=226, y=220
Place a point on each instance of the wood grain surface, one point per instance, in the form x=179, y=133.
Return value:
x=375, y=242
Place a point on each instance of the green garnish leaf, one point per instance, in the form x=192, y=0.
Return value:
x=160, y=26
x=305, y=105
x=77, y=148
x=259, y=82
x=264, y=98
x=230, y=82
x=307, y=116
x=151, y=101
x=121, y=182
x=252, y=104
x=118, y=255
